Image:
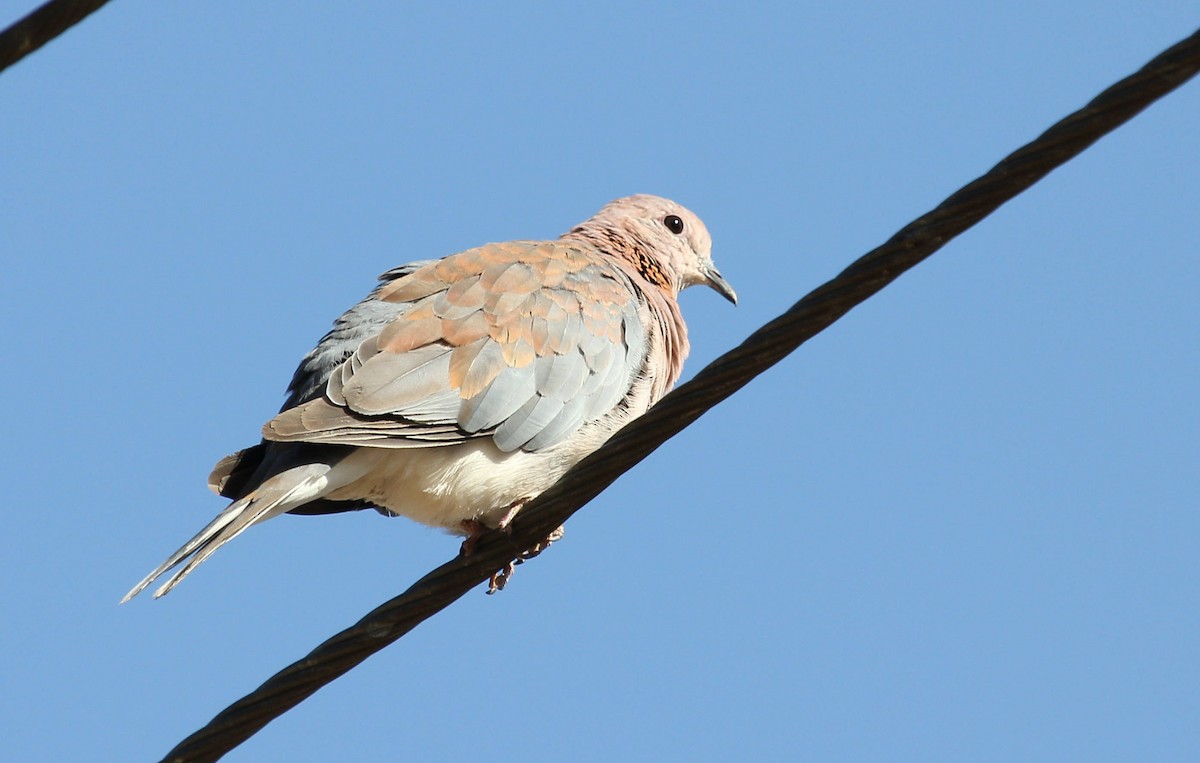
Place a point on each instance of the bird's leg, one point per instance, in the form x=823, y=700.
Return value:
x=500, y=578
x=474, y=530
x=509, y=515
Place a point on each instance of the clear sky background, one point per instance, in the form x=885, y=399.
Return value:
x=959, y=525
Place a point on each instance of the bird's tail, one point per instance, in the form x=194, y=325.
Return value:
x=286, y=490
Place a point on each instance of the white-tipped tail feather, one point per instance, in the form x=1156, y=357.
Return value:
x=277, y=495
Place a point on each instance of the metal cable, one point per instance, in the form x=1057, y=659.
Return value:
x=41, y=26
x=718, y=381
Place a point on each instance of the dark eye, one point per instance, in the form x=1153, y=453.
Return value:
x=674, y=224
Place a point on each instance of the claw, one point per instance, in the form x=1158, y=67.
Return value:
x=555, y=535
x=504, y=574
x=501, y=578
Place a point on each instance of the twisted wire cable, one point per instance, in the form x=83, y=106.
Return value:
x=41, y=26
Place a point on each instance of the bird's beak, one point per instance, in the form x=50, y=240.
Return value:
x=719, y=284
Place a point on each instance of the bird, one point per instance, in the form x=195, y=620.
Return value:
x=461, y=388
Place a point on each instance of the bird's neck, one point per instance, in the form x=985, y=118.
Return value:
x=633, y=250
x=675, y=342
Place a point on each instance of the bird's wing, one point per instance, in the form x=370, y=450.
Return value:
x=523, y=341
x=366, y=318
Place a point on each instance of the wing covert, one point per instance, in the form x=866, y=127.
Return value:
x=524, y=342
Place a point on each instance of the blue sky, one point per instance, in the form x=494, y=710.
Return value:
x=959, y=525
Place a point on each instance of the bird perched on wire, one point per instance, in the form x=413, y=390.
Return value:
x=462, y=388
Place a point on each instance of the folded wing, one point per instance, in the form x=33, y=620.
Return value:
x=524, y=342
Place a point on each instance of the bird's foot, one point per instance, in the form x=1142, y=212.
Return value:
x=474, y=530
x=504, y=574
x=555, y=534
x=501, y=577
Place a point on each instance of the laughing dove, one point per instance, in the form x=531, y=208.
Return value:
x=461, y=388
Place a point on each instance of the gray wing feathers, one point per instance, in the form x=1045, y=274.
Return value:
x=488, y=352
x=360, y=322
x=390, y=382
x=527, y=422
x=511, y=388
x=560, y=376
x=564, y=423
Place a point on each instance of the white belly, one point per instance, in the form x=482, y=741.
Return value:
x=442, y=487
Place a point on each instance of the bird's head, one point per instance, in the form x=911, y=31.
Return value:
x=664, y=241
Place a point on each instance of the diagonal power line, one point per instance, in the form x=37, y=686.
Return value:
x=41, y=26
x=719, y=380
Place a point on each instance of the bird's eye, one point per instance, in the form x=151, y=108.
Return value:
x=674, y=224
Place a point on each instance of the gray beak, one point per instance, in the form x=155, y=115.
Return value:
x=719, y=284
